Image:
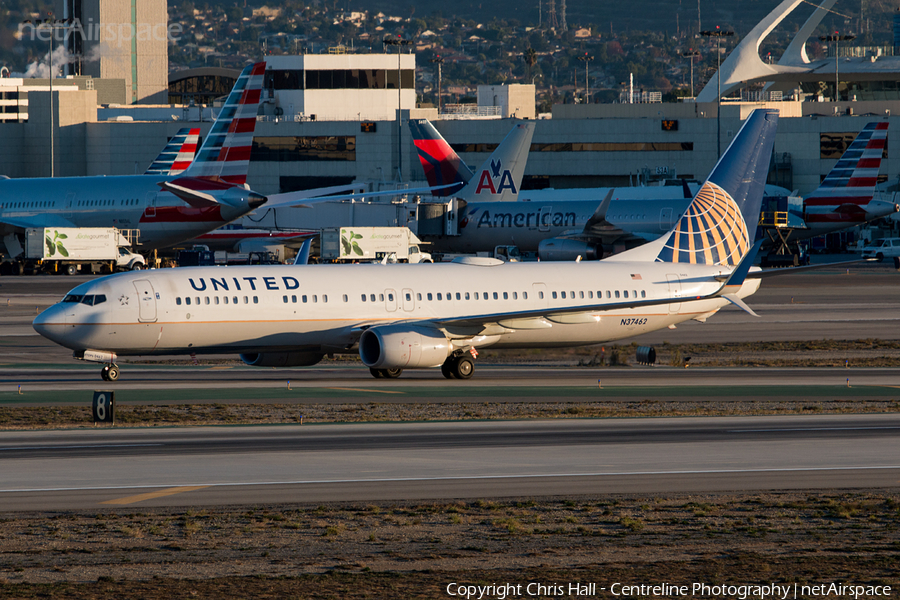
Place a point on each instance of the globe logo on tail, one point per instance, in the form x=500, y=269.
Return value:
x=711, y=232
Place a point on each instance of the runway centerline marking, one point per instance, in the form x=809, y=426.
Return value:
x=812, y=429
x=160, y=494
x=78, y=447
x=343, y=389
x=185, y=488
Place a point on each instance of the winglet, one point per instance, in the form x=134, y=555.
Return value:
x=739, y=274
x=303, y=253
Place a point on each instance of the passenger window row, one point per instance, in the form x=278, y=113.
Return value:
x=563, y=295
x=188, y=301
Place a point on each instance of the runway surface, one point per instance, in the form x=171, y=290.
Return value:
x=367, y=462
x=238, y=465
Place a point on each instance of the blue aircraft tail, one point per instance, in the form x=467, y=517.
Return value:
x=719, y=226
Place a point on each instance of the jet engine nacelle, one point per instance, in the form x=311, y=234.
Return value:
x=563, y=249
x=282, y=359
x=396, y=346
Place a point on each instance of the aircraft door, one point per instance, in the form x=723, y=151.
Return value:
x=674, y=292
x=665, y=219
x=70, y=202
x=409, y=301
x=544, y=217
x=146, y=300
x=150, y=211
x=390, y=300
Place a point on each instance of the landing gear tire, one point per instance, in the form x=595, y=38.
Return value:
x=446, y=370
x=464, y=367
x=110, y=373
x=458, y=367
x=385, y=373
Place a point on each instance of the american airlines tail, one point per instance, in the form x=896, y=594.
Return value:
x=845, y=196
x=178, y=153
x=853, y=178
x=225, y=154
x=498, y=179
x=719, y=226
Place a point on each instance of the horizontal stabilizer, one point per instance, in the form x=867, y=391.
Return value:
x=194, y=198
x=740, y=304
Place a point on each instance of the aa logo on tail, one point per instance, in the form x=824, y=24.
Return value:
x=497, y=172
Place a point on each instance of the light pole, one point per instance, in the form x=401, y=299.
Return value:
x=587, y=88
x=836, y=38
x=718, y=34
x=52, y=26
x=399, y=42
x=438, y=61
x=691, y=55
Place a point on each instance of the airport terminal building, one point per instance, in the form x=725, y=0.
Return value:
x=332, y=119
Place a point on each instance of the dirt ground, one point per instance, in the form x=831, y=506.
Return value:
x=397, y=550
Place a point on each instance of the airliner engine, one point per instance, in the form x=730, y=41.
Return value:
x=564, y=249
x=393, y=347
x=282, y=359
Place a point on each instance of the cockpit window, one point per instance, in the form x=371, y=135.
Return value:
x=75, y=298
x=99, y=299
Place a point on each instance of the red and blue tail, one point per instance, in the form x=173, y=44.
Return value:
x=442, y=165
x=178, y=153
x=853, y=178
x=225, y=154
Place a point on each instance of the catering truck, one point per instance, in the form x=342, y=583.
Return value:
x=367, y=244
x=74, y=250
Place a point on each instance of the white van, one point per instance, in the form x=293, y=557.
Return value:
x=884, y=248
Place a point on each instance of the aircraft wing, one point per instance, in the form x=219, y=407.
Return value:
x=304, y=198
x=44, y=220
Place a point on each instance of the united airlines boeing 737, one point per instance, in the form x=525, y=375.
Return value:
x=166, y=209
x=419, y=316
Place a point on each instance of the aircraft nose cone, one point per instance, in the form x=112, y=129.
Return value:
x=51, y=324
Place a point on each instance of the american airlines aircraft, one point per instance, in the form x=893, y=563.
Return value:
x=564, y=224
x=419, y=316
x=166, y=209
x=178, y=154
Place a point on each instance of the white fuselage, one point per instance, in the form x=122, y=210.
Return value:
x=124, y=202
x=324, y=308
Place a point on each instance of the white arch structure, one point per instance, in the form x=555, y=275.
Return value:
x=744, y=64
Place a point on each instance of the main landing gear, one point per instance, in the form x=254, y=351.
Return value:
x=385, y=373
x=110, y=373
x=458, y=366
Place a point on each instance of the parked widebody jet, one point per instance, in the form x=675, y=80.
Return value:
x=166, y=209
x=399, y=316
x=563, y=224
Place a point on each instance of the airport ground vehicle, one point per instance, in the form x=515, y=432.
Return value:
x=343, y=244
x=881, y=249
x=74, y=250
